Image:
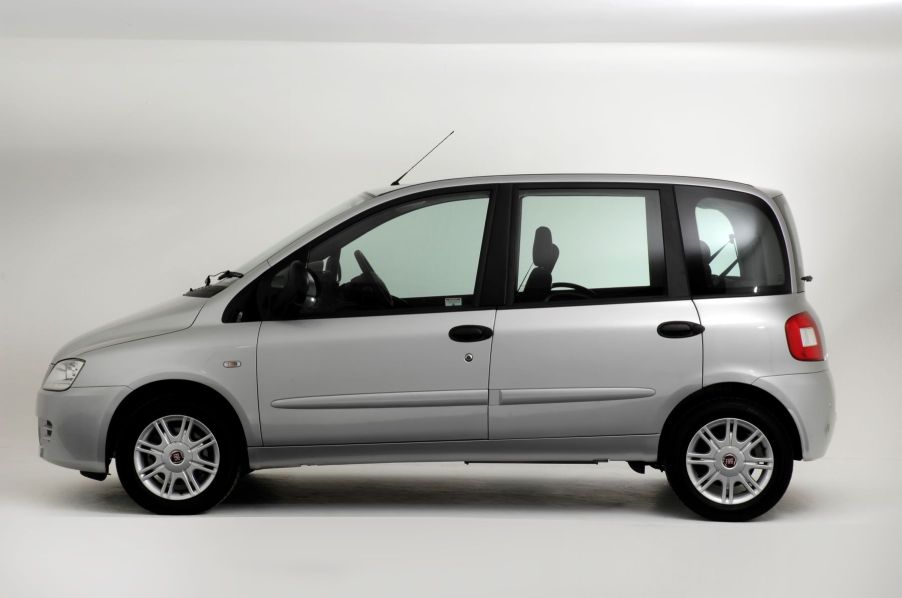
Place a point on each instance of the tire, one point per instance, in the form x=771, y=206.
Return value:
x=191, y=470
x=724, y=479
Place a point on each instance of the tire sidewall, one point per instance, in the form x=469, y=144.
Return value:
x=678, y=476
x=223, y=481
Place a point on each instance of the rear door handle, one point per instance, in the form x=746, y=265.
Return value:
x=679, y=329
x=469, y=333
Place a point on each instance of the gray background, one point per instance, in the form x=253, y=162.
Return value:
x=143, y=146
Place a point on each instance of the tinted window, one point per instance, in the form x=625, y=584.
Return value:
x=716, y=232
x=421, y=254
x=584, y=244
x=430, y=251
x=732, y=241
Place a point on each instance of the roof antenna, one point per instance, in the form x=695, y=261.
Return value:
x=398, y=180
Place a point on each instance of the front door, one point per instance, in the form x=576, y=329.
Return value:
x=395, y=347
x=581, y=350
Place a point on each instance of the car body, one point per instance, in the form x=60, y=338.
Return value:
x=622, y=323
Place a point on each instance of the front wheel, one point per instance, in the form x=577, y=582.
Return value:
x=729, y=461
x=177, y=459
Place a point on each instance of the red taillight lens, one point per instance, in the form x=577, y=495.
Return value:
x=803, y=338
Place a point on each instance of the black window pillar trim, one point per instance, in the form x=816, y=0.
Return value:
x=491, y=287
x=513, y=242
x=674, y=256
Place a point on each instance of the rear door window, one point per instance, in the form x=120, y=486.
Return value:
x=588, y=244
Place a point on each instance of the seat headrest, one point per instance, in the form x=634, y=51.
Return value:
x=544, y=252
x=706, y=252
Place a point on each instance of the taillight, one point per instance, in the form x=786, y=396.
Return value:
x=803, y=338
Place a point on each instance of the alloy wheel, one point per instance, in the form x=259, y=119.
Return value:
x=176, y=457
x=730, y=461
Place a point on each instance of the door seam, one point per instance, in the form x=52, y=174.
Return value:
x=702, y=336
x=488, y=382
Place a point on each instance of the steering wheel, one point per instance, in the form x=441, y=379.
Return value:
x=367, y=268
x=575, y=290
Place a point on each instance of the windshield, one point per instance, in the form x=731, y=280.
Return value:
x=273, y=249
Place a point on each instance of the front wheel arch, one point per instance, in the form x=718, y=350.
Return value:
x=143, y=395
x=735, y=390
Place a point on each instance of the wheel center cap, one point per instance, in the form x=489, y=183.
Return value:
x=177, y=457
x=729, y=461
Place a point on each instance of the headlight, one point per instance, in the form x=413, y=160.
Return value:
x=63, y=374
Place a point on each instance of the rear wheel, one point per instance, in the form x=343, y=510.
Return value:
x=175, y=458
x=729, y=461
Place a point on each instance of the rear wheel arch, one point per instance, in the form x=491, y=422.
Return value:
x=735, y=390
x=144, y=395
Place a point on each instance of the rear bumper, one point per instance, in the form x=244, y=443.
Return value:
x=72, y=426
x=809, y=399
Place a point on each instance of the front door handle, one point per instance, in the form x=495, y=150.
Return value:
x=469, y=333
x=679, y=329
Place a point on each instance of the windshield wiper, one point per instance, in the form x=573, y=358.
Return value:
x=221, y=275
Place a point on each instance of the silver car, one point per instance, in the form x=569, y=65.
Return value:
x=660, y=321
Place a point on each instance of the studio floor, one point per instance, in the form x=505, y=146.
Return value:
x=450, y=530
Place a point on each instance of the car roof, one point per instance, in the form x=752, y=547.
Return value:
x=652, y=179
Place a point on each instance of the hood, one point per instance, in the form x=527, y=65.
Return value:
x=170, y=316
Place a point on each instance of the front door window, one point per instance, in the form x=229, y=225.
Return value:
x=420, y=255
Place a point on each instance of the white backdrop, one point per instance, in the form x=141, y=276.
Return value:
x=130, y=169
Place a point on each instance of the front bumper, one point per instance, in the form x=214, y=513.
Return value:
x=809, y=399
x=72, y=425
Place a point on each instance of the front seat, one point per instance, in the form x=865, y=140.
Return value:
x=706, y=260
x=544, y=257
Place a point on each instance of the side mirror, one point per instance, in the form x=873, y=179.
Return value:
x=312, y=293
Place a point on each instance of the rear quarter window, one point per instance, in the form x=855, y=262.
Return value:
x=732, y=242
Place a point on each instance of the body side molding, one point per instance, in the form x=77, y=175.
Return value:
x=531, y=396
x=440, y=398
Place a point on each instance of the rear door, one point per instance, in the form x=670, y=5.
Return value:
x=599, y=336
